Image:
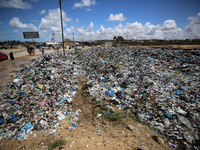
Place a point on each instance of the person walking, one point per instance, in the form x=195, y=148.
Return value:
x=33, y=51
x=42, y=51
x=11, y=56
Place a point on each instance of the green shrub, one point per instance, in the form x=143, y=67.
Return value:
x=56, y=143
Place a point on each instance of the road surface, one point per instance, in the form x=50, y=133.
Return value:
x=21, y=56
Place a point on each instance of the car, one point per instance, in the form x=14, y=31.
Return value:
x=3, y=56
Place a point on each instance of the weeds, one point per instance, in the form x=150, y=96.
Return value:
x=56, y=143
x=116, y=118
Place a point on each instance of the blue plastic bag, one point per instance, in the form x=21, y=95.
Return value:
x=168, y=114
x=107, y=92
x=1, y=120
x=27, y=127
x=14, y=118
x=147, y=115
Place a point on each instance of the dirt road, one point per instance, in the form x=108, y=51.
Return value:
x=21, y=56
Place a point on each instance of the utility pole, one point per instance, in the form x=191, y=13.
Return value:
x=62, y=25
x=73, y=42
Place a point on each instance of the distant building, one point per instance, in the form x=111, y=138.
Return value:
x=107, y=44
x=68, y=42
x=18, y=46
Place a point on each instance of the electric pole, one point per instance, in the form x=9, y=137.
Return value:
x=62, y=25
x=73, y=42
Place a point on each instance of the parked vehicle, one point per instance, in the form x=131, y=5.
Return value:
x=3, y=56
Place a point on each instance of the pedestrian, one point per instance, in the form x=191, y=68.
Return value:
x=33, y=51
x=11, y=56
x=29, y=50
x=42, y=51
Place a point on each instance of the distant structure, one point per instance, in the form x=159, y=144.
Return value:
x=53, y=39
x=52, y=43
x=108, y=44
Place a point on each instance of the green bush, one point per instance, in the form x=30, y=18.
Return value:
x=56, y=143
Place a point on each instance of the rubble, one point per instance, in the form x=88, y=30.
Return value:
x=40, y=96
x=161, y=87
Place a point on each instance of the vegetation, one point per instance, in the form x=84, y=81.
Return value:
x=116, y=118
x=130, y=42
x=118, y=39
x=13, y=42
x=162, y=42
x=59, y=142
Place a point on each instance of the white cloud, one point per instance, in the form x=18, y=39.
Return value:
x=120, y=26
x=89, y=9
x=151, y=29
x=87, y=34
x=52, y=20
x=31, y=27
x=169, y=25
x=195, y=20
x=137, y=27
x=84, y=3
x=34, y=0
x=69, y=31
x=19, y=4
x=51, y=23
x=89, y=29
x=106, y=33
x=118, y=17
x=42, y=12
x=173, y=34
x=137, y=30
x=16, y=23
x=133, y=30
x=77, y=20
x=192, y=30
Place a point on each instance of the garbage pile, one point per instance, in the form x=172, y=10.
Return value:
x=161, y=87
x=40, y=95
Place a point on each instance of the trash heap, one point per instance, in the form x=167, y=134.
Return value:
x=161, y=87
x=40, y=95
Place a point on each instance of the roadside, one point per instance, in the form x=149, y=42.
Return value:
x=21, y=57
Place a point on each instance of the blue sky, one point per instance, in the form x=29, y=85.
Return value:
x=101, y=19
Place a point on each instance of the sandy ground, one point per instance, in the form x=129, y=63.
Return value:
x=179, y=46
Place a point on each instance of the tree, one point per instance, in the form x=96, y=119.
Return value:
x=114, y=38
x=120, y=38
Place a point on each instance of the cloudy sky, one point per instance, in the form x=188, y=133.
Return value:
x=100, y=19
